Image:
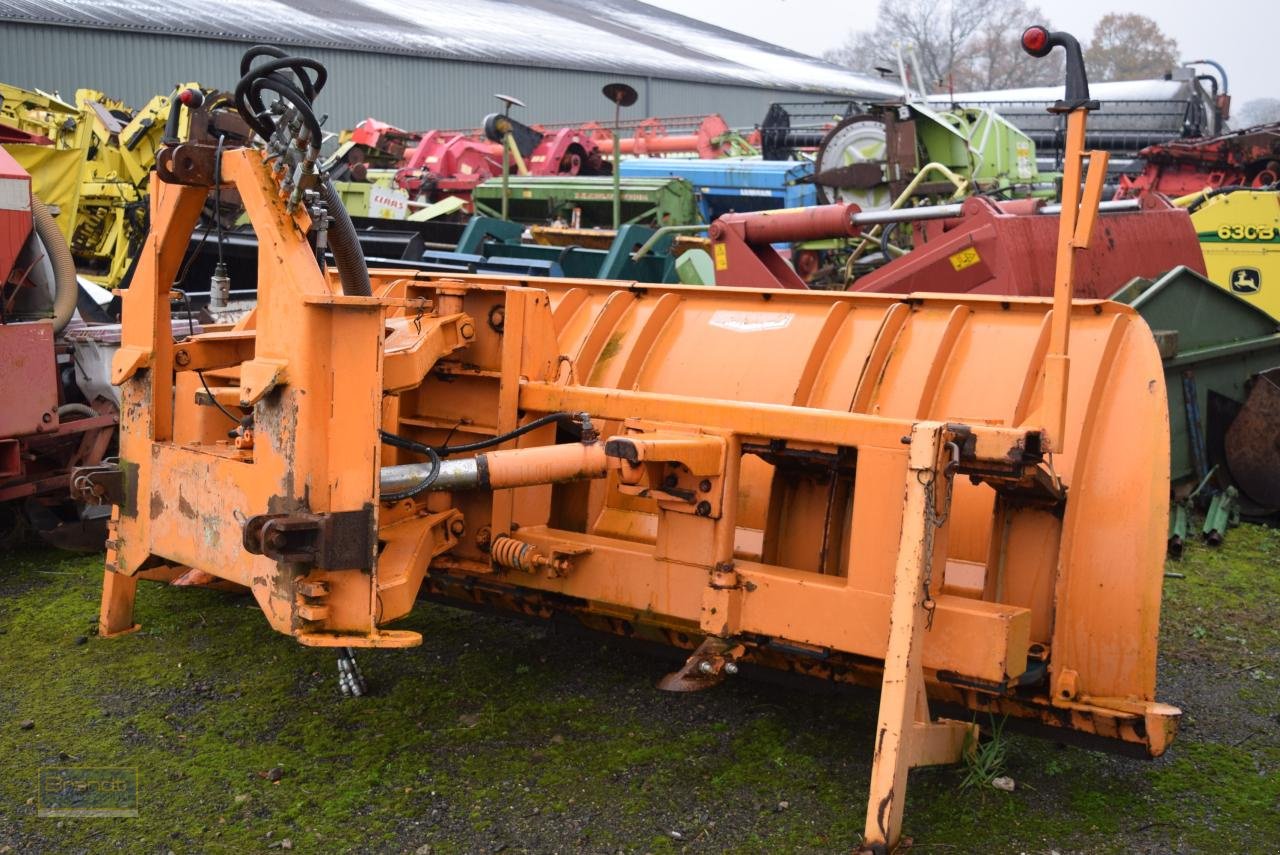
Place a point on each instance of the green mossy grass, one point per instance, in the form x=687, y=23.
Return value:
x=501, y=736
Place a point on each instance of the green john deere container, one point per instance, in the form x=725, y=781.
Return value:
x=1212, y=343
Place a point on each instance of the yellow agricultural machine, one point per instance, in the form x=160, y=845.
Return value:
x=1239, y=229
x=958, y=500
x=91, y=162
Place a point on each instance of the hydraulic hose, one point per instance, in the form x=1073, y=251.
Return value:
x=480, y=445
x=291, y=78
x=296, y=88
x=445, y=475
x=66, y=288
x=353, y=272
x=248, y=99
x=419, y=486
x=275, y=83
x=84, y=411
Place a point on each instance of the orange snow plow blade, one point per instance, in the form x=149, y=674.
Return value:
x=914, y=493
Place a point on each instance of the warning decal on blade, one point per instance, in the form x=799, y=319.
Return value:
x=722, y=257
x=751, y=321
x=965, y=258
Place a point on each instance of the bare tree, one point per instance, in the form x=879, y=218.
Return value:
x=959, y=45
x=863, y=50
x=1129, y=47
x=997, y=60
x=1257, y=111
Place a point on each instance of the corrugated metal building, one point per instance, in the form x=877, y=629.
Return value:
x=420, y=63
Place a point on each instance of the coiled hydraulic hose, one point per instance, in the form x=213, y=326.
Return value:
x=66, y=289
x=249, y=100
x=290, y=78
x=84, y=411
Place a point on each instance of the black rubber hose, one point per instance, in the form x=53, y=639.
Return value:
x=418, y=448
x=248, y=100
x=248, y=97
x=479, y=445
x=353, y=272
x=292, y=95
x=309, y=85
x=446, y=450
x=345, y=243
x=281, y=60
x=66, y=289
x=258, y=119
x=247, y=58
x=434, y=454
x=886, y=235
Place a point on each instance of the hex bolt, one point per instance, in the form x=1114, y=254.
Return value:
x=731, y=668
x=589, y=432
x=670, y=481
x=703, y=509
x=705, y=667
x=497, y=318
x=704, y=486
x=466, y=330
x=457, y=527
x=182, y=357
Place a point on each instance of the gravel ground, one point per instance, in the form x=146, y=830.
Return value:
x=498, y=736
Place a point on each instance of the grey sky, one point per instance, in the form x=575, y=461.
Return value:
x=1240, y=35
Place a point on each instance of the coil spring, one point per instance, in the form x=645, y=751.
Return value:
x=512, y=554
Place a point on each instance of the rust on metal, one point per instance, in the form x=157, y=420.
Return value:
x=1253, y=442
x=333, y=541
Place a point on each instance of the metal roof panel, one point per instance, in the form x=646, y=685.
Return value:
x=622, y=36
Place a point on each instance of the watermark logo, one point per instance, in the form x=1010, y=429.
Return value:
x=104, y=791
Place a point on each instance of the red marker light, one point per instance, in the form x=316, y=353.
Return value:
x=1035, y=41
x=191, y=97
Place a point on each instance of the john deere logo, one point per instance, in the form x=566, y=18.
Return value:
x=1246, y=280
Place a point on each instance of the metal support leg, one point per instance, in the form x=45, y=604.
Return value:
x=905, y=736
x=115, y=616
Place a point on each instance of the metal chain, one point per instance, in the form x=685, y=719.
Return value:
x=934, y=521
x=417, y=318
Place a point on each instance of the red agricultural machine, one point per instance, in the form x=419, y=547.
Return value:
x=46, y=426
x=58, y=409
x=433, y=164
x=704, y=137
x=1245, y=158
x=977, y=246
